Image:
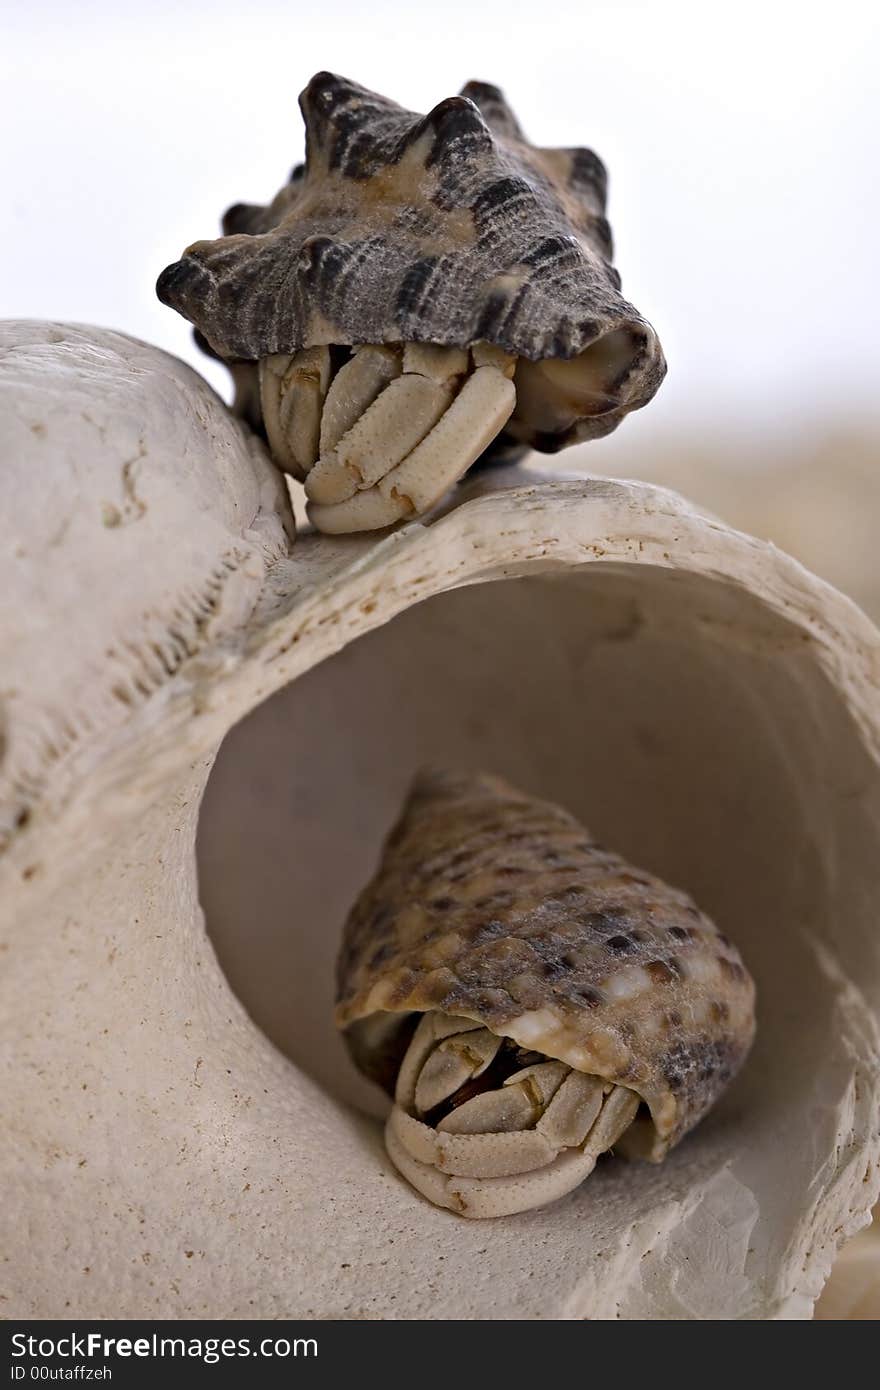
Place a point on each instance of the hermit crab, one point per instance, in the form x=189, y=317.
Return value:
x=530, y=999
x=424, y=291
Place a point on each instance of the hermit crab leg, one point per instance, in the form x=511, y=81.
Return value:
x=354, y=388
x=570, y=1116
x=616, y=1115
x=521, y=1140
x=480, y=410
x=292, y=391
x=519, y=1102
x=392, y=423
x=472, y=1155
x=432, y=1028
x=438, y=364
x=387, y=431
x=487, y=1197
x=271, y=372
x=365, y=511
x=461, y=433
x=460, y=1058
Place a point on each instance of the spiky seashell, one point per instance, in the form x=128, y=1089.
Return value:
x=400, y=233
x=493, y=908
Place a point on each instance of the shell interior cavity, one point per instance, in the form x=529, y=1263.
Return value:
x=530, y=1000
x=424, y=291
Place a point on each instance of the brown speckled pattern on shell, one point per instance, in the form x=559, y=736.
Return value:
x=499, y=907
x=448, y=228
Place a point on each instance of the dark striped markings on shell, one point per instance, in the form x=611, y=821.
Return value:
x=449, y=228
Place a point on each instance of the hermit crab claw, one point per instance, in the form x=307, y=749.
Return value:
x=488, y=1129
x=391, y=434
x=424, y=292
x=530, y=1000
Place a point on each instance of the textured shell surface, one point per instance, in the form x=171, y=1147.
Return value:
x=449, y=228
x=492, y=905
x=713, y=714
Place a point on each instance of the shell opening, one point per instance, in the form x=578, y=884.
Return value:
x=488, y=1128
x=554, y=393
x=380, y=431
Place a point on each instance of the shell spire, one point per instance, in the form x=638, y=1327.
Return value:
x=345, y=124
x=456, y=130
x=493, y=105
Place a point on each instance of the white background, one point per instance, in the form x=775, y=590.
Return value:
x=741, y=142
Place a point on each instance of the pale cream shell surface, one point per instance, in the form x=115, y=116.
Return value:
x=181, y=1128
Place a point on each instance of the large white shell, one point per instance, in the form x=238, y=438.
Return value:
x=696, y=696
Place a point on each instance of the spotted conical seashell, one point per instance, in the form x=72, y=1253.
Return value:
x=494, y=911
